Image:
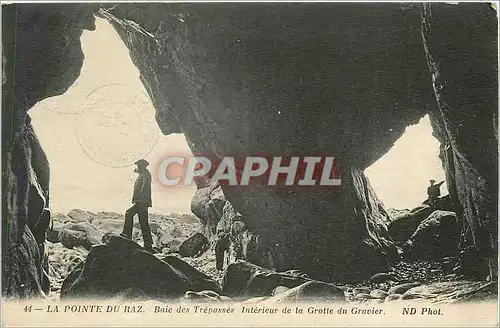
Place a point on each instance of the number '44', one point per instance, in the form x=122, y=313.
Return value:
x=27, y=308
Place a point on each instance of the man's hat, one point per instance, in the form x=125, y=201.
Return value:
x=432, y=180
x=142, y=162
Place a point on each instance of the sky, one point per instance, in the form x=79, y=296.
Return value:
x=94, y=133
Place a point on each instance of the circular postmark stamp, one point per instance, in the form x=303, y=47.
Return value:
x=116, y=125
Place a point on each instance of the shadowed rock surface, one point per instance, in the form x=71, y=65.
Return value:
x=336, y=79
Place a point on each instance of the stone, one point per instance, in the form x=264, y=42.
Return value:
x=111, y=225
x=203, y=296
x=382, y=277
x=362, y=297
x=194, y=245
x=53, y=232
x=366, y=244
x=401, y=288
x=243, y=279
x=203, y=81
x=279, y=290
x=207, y=204
x=392, y=297
x=120, y=264
x=402, y=227
x=62, y=218
x=361, y=290
x=450, y=291
x=152, y=225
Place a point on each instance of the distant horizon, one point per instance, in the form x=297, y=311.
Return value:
x=105, y=121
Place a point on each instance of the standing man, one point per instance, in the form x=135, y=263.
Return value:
x=141, y=199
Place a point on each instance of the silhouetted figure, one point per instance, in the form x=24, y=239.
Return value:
x=434, y=191
x=141, y=199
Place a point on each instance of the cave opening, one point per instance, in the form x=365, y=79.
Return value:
x=401, y=177
x=99, y=127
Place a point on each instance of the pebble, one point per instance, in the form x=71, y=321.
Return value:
x=378, y=293
x=362, y=296
x=382, y=277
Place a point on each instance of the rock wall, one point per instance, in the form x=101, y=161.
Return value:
x=463, y=61
x=41, y=57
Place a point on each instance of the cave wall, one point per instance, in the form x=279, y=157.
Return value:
x=41, y=57
x=290, y=79
x=220, y=74
x=461, y=46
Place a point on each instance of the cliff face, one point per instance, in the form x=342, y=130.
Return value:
x=295, y=79
x=41, y=57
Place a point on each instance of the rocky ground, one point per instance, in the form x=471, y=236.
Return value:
x=73, y=234
x=70, y=247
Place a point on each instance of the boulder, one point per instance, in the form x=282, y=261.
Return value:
x=194, y=245
x=310, y=291
x=436, y=237
x=152, y=225
x=62, y=218
x=244, y=279
x=198, y=280
x=279, y=290
x=120, y=264
x=54, y=230
x=378, y=293
x=80, y=234
x=81, y=215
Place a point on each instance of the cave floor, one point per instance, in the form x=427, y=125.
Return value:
x=436, y=285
